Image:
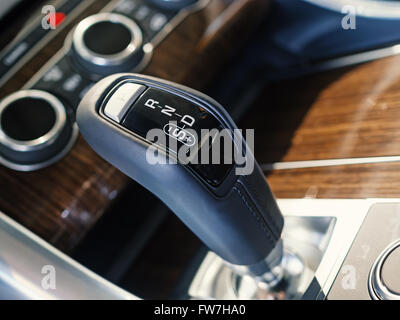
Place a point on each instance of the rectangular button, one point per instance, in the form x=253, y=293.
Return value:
x=122, y=99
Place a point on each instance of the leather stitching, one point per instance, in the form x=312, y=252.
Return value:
x=256, y=215
x=273, y=224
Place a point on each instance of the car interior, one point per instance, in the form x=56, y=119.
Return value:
x=96, y=205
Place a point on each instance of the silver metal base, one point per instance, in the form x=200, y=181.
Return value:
x=317, y=236
x=30, y=268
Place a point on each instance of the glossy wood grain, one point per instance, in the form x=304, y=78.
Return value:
x=62, y=202
x=350, y=181
x=345, y=113
x=352, y=112
x=201, y=44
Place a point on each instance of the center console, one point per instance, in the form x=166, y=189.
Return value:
x=51, y=181
x=55, y=185
x=329, y=249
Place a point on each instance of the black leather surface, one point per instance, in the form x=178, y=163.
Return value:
x=239, y=220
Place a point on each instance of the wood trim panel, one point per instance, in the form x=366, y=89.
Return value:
x=346, y=113
x=200, y=45
x=352, y=181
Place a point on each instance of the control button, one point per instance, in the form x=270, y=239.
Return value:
x=384, y=280
x=55, y=74
x=126, y=6
x=122, y=99
x=142, y=13
x=150, y=18
x=65, y=82
x=72, y=83
x=34, y=130
x=107, y=43
x=182, y=121
x=16, y=54
x=157, y=21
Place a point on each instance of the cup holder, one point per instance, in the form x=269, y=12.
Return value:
x=34, y=130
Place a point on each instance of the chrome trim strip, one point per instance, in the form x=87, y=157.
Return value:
x=356, y=58
x=334, y=63
x=327, y=163
x=23, y=256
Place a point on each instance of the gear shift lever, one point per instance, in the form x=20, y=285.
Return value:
x=236, y=216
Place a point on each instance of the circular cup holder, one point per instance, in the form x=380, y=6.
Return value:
x=34, y=130
x=107, y=43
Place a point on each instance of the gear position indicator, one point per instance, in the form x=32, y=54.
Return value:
x=141, y=109
x=179, y=118
x=180, y=134
x=170, y=111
